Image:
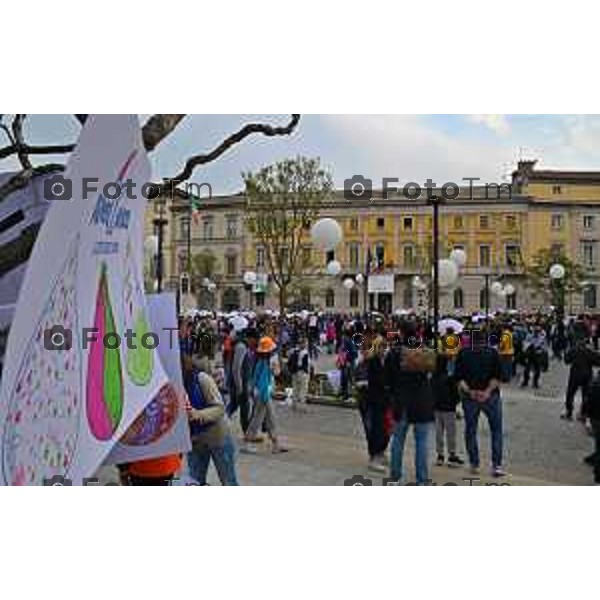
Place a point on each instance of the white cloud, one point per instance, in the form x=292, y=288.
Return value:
x=411, y=148
x=497, y=123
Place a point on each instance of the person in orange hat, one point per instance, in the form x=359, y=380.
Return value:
x=263, y=384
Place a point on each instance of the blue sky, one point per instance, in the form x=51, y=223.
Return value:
x=410, y=147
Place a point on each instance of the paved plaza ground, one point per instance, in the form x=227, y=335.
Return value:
x=327, y=444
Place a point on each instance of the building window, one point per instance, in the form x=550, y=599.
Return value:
x=590, y=297
x=484, y=299
x=588, y=222
x=511, y=302
x=512, y=255
x=184, y=228
x=589, y=254
x=329, y=256
x=557, y=221
x=379, y=255
x=330, y=299
x=459, y=299
x=231, y=226
x=484, y=222
x=485, y=256
x=353, y=298
x=511, y=222
x=458, y=222
x=260, y=257
x=207, y=228
x=380, y=223
x=353, y=255
x=407, y=223
x=409, y=256
x=354, y=224
x=260, y=299
x=556, y=189
x=231, y=264
x=408, y=296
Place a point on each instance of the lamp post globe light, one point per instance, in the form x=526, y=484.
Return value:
x=326, y=234
x=557, y=274
x=334, y=268
x=459, y=257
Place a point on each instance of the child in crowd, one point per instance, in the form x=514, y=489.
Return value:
x=446, y=399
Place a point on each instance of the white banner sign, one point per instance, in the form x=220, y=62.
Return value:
x=162, y=428
x=381, y=284
x=66, y=400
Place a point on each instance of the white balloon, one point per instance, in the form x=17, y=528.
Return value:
x=360, y=279
x=151, y=245
x=334, y=268
x=496, y=288
x=459, y=257
x=348, y=283
x=448, y=273
x=557, y=271
x=250, y=278
x=509, y=289
x=326, y=234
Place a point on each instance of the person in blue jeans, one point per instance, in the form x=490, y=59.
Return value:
x=478, y=372
x=408, y=373
x=209, y=427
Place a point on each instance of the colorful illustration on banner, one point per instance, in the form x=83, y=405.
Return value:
x=140, y=360
x=156, y=421
x=41, y=428
x=104, y=374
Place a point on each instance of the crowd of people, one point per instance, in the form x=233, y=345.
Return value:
x=401, y=374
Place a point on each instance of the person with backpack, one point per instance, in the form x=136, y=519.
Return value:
x=299, y=367
x=209, y=427
x=412, y=401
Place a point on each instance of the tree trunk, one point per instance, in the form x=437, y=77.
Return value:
x=282, y=298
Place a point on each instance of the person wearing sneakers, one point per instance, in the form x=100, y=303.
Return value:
x=478, y=372
x=263, y=383
x=445, y=395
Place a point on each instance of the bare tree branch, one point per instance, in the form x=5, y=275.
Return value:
x=232, y=140
x=157, y=128
x=17, y=130
x=154, y=131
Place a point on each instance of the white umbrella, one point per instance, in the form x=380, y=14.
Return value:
x=453, y=324
x=239, y=323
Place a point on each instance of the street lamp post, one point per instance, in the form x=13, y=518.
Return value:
x=159, y=225
x=435, y=201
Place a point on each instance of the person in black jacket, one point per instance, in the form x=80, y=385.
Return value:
x=376, y=403
x=581, y=358
x=478, y=373
x=446, y=398
x=593, y=413
x=412, y=401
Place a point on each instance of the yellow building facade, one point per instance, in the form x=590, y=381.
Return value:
x=500, y=231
